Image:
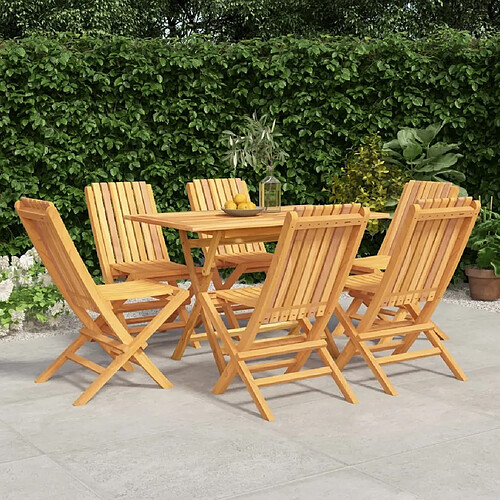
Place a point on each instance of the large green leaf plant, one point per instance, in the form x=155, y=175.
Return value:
x=414, y=150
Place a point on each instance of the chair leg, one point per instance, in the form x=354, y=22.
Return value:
x=225, y=378
x=233, y=277
x=447, y=357
x=353, y=308
x=152, y=370
x=188, y=330
x=183, y=314
x=255, y=392
x=376, y=369
x=331, y=345
x=345, y=356
x=63, y=357
x=340, y=380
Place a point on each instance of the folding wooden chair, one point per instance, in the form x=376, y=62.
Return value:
x=211, y=194
x=59, y=255
x=421, y=267
x=307, y=273
x=412, y=192
x=129, y=249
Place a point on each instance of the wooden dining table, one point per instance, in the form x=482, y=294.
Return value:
x=217, y=228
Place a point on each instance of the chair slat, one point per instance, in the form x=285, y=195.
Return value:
x=103, y=224
x=129, y=225
x=120, y=222
x=112, y=225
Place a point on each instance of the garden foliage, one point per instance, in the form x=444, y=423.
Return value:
x=370, y=180
x=76, y=110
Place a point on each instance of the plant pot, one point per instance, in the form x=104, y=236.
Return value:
x=483, y=284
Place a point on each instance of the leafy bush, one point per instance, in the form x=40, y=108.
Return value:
x=27, y=293
x=368, y=179
x=77, y=109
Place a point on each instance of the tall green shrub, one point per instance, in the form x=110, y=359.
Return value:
x=75, y=110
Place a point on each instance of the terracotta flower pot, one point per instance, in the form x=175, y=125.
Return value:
x=483, y=284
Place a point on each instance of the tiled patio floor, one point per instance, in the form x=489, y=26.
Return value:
x=439, y=439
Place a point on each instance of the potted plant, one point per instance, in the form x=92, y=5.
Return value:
x=484, y=277
x=257, y=148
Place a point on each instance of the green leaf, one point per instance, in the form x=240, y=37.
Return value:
x=406, y=137
x=428, y=134
x=440, y=149
x=412, y=151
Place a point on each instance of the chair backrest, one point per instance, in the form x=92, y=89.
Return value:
x=58, y=253
x=421, y=267
x=315, y=251
x=412, y=192
x=211, y=194
x=117, y=239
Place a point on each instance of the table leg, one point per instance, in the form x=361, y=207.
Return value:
x=200, y=285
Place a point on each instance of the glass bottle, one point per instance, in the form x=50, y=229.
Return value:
x=270, y=192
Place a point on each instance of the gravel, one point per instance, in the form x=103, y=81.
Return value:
x=456, y=294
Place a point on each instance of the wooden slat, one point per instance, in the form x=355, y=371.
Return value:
x=129, y=225
x=132, y=205
x=103, y=223
x=110, y=218
x=120, y=222
x=408, y=356
x=146, y=228
x=292, y=377
x=390, y=331
x=282, y=349
x=271, y=365
x=156, y=234
x=86, y=363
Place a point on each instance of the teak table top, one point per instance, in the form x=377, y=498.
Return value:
x=216, y=220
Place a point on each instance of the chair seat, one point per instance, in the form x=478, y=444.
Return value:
x=247, y=296
x=370, y=264
x=137, y=289
x=365, y=283
x=161, y=268
x=255, y=260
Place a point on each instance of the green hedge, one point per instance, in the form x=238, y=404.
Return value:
x=76, y=110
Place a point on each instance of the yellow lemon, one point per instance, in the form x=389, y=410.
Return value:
x=231, y=205
x=243, y=206
x=240, y=198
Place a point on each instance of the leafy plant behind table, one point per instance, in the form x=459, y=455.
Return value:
x=78, y=109
x=413, y=151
